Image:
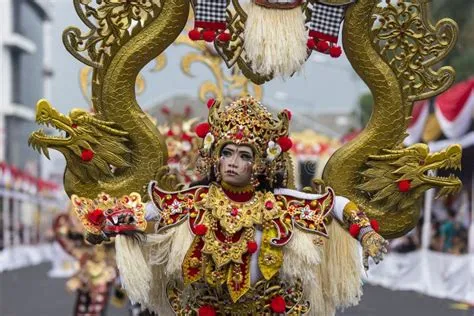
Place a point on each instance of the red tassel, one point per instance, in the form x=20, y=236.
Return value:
x=322, y=46
x=354, y=230
x=210, y=103
x=278, y=304
x=96, y=217
x=200, y=229
x=194, y=35
x=252, y=247
x=206, y=310
x=209, y=35
x=202, y=130
x=311, y=43
x=87, y=155
x=375, y=225
x=335, y=51
x=224, y=37
x=404, y=185
x=285, y=143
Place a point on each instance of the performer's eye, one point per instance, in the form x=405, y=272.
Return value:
x=226, y=153
x=246, y=157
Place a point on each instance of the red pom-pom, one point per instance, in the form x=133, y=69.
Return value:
x=285, y=143
x=210, y=103
x=375, y=225
x=278, y=304
x=87, y=155
x=224, y=37
x=322, y=46
x=252, y=247
x=404, y=185
x=354, y=230
x=335, y=51
x=288, y=113
x=206, y=310
x=186, y=137
x=200, y=229
x=96, y=217
x=202, y=130
x=194, y=35
x=310, y=43
x=209, y=35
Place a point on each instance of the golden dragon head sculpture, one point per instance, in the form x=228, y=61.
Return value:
x=397, y=178
x=92, y=147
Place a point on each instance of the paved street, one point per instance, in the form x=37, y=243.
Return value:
x=29, y=292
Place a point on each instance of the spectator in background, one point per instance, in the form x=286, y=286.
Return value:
x=448, y=230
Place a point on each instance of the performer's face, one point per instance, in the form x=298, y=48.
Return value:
x=236, y=164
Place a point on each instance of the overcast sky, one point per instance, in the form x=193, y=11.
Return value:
x=325, y=84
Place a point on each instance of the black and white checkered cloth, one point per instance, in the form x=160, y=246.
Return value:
x=326, y=19
x=211, y=11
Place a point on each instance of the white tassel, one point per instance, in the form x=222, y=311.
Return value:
x=134, y=270
x=275, y=40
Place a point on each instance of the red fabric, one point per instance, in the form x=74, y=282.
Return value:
x=404, y=185
x=285, y=143
x=451, y=102
x=322, y=36
x=252, y=247
x=238, y=197
x=210, y=25
x=278, y=304
x=202, y=130
x=206, y=310
x=96, y=217
x=87, y=155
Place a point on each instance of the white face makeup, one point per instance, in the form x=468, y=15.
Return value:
x=235, y=164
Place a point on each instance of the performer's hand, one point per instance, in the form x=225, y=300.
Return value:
x=373, y=245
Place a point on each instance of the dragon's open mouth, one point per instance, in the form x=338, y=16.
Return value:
x=449, y=184
x=49, y=117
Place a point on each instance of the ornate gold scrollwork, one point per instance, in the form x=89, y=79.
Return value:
x=406, y=39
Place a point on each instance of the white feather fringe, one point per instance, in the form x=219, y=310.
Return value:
x=275, y=40
x=134, y=271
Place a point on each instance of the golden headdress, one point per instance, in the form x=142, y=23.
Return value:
x=245, y=122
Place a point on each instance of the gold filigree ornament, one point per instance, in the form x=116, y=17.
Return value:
x=404, y=36
x=110, y=215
